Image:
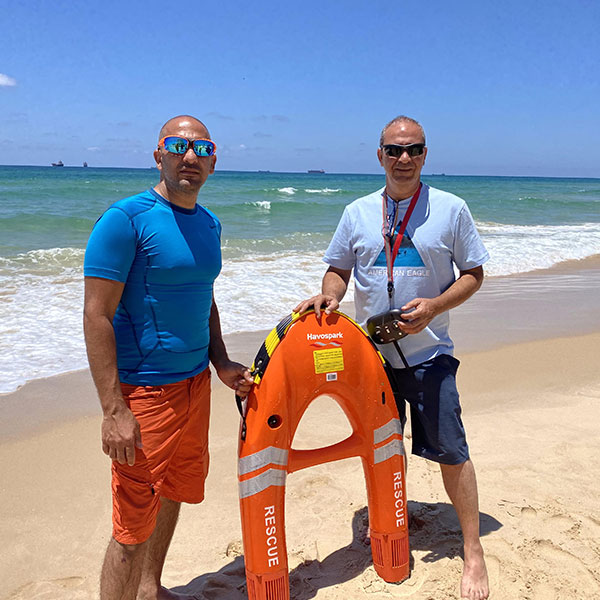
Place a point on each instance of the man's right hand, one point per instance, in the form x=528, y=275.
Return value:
x=329, y=303
x=335, y=284
x=120, y=436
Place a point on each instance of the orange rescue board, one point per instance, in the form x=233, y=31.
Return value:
x=302, y=359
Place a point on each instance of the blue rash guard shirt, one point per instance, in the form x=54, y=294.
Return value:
x=168, y=257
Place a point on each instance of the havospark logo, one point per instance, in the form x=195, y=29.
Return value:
x=324, y=336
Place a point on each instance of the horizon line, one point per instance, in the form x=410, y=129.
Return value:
x=264, y=172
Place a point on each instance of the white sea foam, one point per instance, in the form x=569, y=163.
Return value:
x=519, y=248
x=256, y=291
x=263, y=204
x=40, y=315
x=287, y=190
x=264, y=287
x=324, y=191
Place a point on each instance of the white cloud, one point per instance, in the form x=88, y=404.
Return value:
x=6, y=81
x=93, y=148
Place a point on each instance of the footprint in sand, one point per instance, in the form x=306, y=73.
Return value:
x=549, y=522
x=558, y=541
x=553, y=550
x=371, y=583
x=528, y=513
x=311, y=485
x=235, y=549
x=569, y=568
x=563, y=523
x=72, y=588
x=543, y=591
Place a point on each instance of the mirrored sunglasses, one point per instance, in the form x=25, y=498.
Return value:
x=179, y=145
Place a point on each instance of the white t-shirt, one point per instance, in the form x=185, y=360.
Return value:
x=440, y=233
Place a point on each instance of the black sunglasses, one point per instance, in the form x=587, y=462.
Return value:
x=396, y=150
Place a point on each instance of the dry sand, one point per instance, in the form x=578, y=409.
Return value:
x=531, y=410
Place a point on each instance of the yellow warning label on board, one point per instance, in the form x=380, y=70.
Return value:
x=328, y=361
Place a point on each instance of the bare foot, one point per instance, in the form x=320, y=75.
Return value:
x=474, y=584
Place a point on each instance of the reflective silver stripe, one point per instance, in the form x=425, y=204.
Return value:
x=268, y=456
x=387, y=451
x=386, y=430
x=261, y=482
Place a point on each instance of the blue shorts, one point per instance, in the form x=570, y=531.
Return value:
x=438, y=433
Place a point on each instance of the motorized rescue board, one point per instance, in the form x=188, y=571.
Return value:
x=301, y=359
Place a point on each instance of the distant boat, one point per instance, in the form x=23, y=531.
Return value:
x=316, y=171
x=84, y=164
x=60, y=163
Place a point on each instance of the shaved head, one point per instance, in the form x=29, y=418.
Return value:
x=182, y=175
x=176, y=124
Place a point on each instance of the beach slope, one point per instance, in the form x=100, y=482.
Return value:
x=531, y=410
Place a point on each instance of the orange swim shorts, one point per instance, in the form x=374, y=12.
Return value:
x=173, y=462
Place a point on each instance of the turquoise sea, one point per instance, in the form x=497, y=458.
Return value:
x=276, y=227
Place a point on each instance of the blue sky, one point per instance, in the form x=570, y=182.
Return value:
x=502, y=88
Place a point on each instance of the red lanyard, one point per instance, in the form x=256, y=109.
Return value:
x=388, y=232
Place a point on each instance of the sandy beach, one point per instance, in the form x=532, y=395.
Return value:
x=530, y=388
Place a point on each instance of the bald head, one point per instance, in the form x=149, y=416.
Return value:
x=181, y=123
x=183, y=174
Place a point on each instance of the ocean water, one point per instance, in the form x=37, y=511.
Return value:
x=276, y=227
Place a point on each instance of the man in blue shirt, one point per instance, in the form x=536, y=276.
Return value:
x=151, y=328
x=402, y=243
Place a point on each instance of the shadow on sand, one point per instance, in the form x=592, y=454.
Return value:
x=434, y=528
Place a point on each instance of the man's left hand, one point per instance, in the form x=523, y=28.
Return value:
x=236, y=376
x=422, y=312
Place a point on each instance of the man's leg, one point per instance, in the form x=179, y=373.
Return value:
x=156, y=552
x=461, y=487
x=188, y=467
x=121, y=571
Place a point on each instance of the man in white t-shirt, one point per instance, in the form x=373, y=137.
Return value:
x=403, y=243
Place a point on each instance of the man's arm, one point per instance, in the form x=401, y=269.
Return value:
x=120, y=429
x=333, y=289
x=424, y=310
x=232, y=374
